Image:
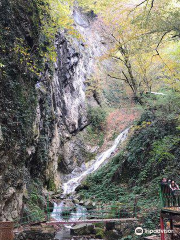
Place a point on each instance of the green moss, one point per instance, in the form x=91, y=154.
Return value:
x=99, y=233
x=35, y=204
x=51, y=185
x=94, y=137
x=97, y=117
x=89, y=156
x=99, y=225
x=22, y=59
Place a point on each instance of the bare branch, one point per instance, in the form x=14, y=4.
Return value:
x=152, y=5
x=138, y=5
x=156, y=49
x=115, y=38
x=118, y=58
x=161, y=39
x=127, y=80
x=163, y=61
x=118, y=78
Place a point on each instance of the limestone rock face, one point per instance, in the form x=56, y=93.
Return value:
x=43, y=119
x=75, y=64
x=69, y=85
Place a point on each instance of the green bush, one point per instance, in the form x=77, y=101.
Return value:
x=35, y=204
x=94, y=136
x=97, y=118
x=99, y=233
x=51, y=185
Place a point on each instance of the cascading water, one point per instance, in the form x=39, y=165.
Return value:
x=79, y=213
x=72, y=184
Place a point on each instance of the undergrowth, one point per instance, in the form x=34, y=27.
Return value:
x=151, y=153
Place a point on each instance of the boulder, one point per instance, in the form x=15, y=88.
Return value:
x=113, y=235
x=82, y=229
x=51, y=193
x=89, y=204
x=67, y=207
x=81, y=202
x=76, y=201
x=83, y=186
x=68, y=204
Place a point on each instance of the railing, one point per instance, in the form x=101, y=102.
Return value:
x=110, y=211
x=169, y=198
x=32, y=218
x=100, y=211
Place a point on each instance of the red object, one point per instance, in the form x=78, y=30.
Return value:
x=6, y=231
x=162, y=228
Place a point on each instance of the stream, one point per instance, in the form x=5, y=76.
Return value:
x=70, y=186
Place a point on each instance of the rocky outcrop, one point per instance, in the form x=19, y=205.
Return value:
x=69, y=107
x=69, y=85
x=75, y=64
x=82, y=229
x=20, y=34
x=41, y=114
x=32, y=235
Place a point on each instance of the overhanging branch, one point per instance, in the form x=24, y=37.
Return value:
x=118, y=78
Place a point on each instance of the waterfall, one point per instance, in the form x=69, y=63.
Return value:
x=72, y=184
x=80, y=212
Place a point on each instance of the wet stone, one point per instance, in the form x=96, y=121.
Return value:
x=35, y=235
x=82, y=229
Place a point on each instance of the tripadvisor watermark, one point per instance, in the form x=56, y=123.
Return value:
x=139, y=231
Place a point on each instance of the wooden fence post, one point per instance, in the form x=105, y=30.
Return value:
x=6, y=231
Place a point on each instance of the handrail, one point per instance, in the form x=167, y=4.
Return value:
x=101, y=211
x=169, y=198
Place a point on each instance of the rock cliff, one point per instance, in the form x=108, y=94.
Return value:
x=41, y=117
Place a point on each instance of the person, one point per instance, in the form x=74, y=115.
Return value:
x=175, y=198
x=164, y=180
x=165, y=190
x=174, y=186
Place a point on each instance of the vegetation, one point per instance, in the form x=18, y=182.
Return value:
x=144, y=40
x=96, y=130
x=151, y=153
x=35, y=209
x=97, y=117
x=51, y=186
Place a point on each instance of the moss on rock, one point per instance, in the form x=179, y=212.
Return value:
x=99, y=233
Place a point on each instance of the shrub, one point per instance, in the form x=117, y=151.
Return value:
x=97, y=117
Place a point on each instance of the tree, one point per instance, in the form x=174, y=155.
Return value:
x=129, y=52
x=140, y=34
